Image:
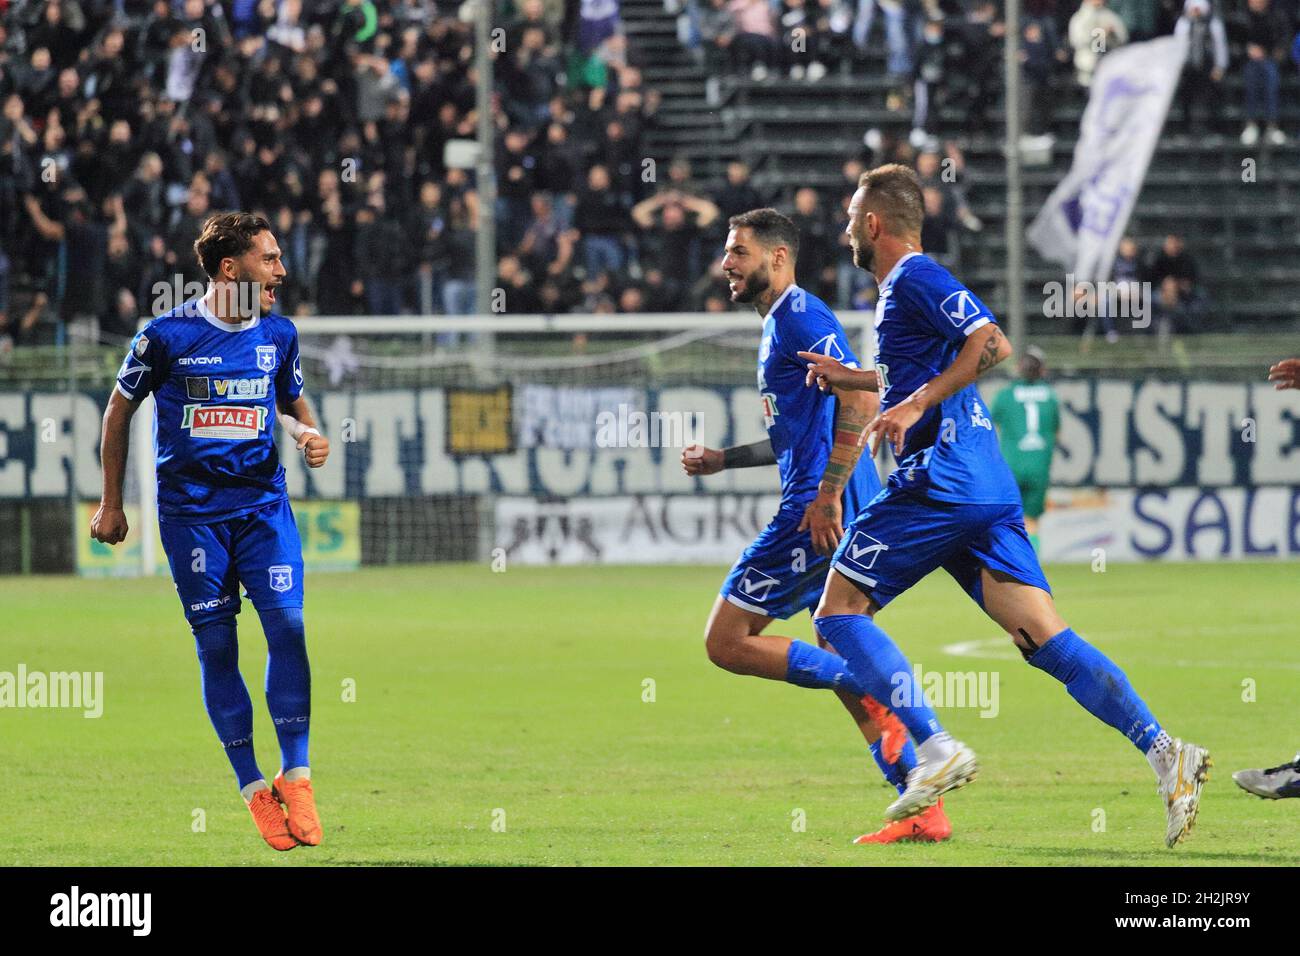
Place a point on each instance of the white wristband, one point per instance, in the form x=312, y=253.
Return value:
x=295, y=428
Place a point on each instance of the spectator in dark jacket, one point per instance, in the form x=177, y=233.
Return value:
x=1267, y=36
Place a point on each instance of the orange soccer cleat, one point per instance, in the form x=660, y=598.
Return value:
x=271, y=823
x=298, y=799
x=893, y=735
x=928, y=826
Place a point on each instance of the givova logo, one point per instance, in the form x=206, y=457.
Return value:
x=236, y=422
x=74, y=908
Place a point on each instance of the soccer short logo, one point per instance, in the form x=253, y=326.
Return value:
x=864, y=549
x=960, y=307
x=281, y=577
x=756, y=585
x=266, y=358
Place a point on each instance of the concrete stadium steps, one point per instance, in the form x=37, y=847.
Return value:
x=1246, y=237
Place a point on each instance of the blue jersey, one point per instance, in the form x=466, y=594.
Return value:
x=801, y=420
x=923, y=316
x=215, y=387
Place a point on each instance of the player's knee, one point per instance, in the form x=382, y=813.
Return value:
x=722, y=645
x=284, y=628
x=217, y=644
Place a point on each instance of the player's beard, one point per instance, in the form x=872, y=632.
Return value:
x=864, y=254
x=753, y=285
x=250, y=298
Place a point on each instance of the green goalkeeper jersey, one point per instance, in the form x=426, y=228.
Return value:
x=1027, y=416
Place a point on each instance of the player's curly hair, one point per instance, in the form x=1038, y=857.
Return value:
x=226, y=234
x=894, y=192
x=770, y=228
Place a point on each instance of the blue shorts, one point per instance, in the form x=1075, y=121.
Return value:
x=780, y=574
x=901, y=536
x=261, y=549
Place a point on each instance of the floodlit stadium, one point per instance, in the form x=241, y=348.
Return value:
x=505, y=232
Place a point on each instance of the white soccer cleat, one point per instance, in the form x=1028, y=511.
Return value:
x=1180, y=785
x=1275, y=783
x=955, y=766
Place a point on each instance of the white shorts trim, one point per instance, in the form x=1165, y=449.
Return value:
x=855, y=575
x=731, y=598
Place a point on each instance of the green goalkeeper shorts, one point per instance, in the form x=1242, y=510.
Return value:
x=1033, y=493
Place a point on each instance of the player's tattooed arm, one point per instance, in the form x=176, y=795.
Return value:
x=109, y=523
x=298, y=421
x=996, y=349
x=983, y=349
x=824, y=516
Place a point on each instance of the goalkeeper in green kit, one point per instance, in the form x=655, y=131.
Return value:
x=1027, y=417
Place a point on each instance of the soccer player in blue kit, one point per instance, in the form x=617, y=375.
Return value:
x=952, y=502
x=815, y=440
x=220, y=369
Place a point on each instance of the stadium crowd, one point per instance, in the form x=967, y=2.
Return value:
x=126, y=122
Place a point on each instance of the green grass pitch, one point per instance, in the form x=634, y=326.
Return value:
x=499, y=719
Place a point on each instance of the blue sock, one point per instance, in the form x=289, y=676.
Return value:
x=1095, y=682
x=288, y=682
x=226, y=697
x=809, y=666
x=881, y=667
x=896, y=773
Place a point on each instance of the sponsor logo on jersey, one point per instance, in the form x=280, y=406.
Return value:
x=756, y=584
x=199, y=360
x=238, y=422
x=960, y=307
x=281, y=577
x=864, y=549
x=978, y=419
x=231, y=389
x=266, y=358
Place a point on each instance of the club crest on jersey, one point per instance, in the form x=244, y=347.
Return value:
x=756, y=585
x=266, y=358
x=960, y=307
x=864, y=549
x=141, y=346
x=828, y=345
x=281, y=577
x=236, y=422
